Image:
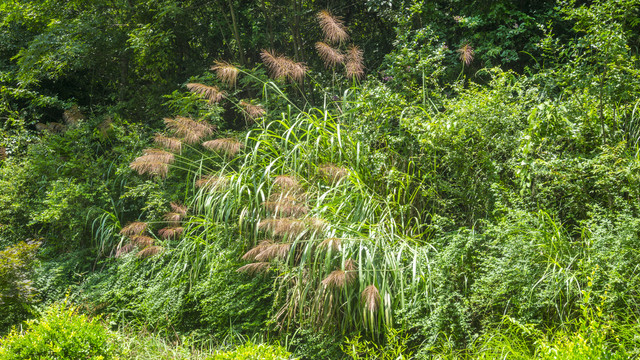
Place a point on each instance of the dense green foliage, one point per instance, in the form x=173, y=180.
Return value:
x=421, y=179
x=60, y=333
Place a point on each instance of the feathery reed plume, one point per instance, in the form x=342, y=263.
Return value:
x=255, y=251
x=251, y=112
x=332, y=27
x=125, y=249
x=466, y=54
x=355, y=63
x=371, y=298
x=332, y=172
x=211, y=93
x=331, y=243
x=254, y=268
x=72, y=116
x=172, y=217
x=190, y=130
x=226, y=72
x=3, y=152
x=337, y=279
x=287, y=182
x=212, y=182
x=170, y=143
x=134, y=228
x=52, y=127
x=315, y=224
x=142, y=240
x=281, y=227
x=229, y=146
x=170, y=232
x=330, y=56
x=282, y=67
x=350, y=265
x=149, y=251
x=153, y=162
x=179, y=208
x=285, y=207
x=274, y=251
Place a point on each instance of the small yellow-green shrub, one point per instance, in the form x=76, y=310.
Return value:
x=251, y=351
x=60, y=333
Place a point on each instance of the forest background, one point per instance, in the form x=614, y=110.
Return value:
x=377, y=179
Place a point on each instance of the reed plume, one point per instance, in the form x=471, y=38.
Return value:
x=466, y=54
x=254, y=268
x=179, y=208
x=315, y=224
x=170, y=232
x=142, y=241
x=341, y=277
x=172, y=217
x=331, y=243
x=169, y=143
x=212, y=182
x=3, y=152
x=274, y=251
x=350, y=266
x=189, y=130
x=337, y=279
x=72, y=116
x=229, y=146
x=287, y=182
x=281, y=67
x=134, y=228
x=255, y=251
x=125, y=249
x=355, y=63
x=52, y=127
x=281, y=227
x=332, y=172
x=332, y=27
x=211, y=93
x=330, y=56
x=285, y=207
x=226, y=72
x=251, y=112
x=371, y=298
x=153, y=162
x=149, y=251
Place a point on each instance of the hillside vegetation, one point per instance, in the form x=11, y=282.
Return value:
x=275, y=180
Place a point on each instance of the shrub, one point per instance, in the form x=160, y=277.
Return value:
x=61, y=333
x=16, y=290
x=251, y=351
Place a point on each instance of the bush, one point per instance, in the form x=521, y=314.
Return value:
x=16, y=290
x=61, y=333
x=251, y=351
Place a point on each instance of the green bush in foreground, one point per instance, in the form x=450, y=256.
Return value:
x=61, y=333
x=251, y=351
